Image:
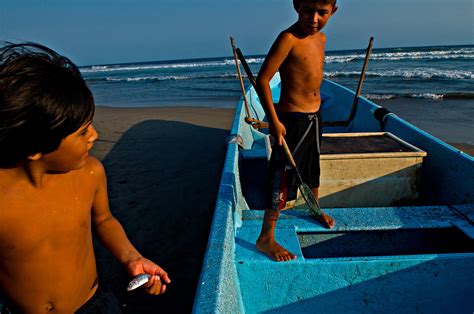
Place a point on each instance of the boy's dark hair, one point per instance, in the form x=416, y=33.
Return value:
x=43, y=99
x=296, y=3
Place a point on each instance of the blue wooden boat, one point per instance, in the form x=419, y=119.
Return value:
x=409, y=252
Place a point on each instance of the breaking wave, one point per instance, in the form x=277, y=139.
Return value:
x=440, y=54
x=115, y=68
x=421, y=96
x=417, y=73
x=163, y=78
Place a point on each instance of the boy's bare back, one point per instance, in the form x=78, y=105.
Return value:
x=46, y=238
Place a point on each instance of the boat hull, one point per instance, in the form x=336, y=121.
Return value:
x=414, y=257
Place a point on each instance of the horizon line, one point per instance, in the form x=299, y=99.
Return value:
x=260, y=55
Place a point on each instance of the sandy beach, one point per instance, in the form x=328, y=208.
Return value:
x=164, y=167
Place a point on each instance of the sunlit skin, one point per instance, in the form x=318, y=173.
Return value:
x=298, y=54
x=49, y=204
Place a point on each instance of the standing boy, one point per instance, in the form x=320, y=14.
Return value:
x=52, y=192
x=298, y=54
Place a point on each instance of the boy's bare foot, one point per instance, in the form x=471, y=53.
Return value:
x=325, y=220
x=274, y=250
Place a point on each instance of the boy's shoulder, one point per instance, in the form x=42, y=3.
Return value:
x=93, y=167
x=93, y=163
x=285, y=40
x=292, y=35
x=288, y=34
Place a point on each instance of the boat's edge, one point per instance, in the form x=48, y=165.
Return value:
x=218, y=288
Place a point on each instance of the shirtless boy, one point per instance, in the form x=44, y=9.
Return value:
x=298, y=54
x=52, y=193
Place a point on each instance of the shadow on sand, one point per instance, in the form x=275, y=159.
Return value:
x=163, y=178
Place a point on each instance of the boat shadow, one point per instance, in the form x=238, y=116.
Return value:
x=163, y=178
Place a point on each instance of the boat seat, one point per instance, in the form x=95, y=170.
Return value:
x=293, y=223
x=259, y=153
x=261, y=148
x=247, y=236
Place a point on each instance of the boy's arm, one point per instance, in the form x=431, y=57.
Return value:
x=112, y=235
x=275, y=57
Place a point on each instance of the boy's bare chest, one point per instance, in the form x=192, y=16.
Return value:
x=36, y=222
x=305, y=59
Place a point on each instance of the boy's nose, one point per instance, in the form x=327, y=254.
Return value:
x=94, y=135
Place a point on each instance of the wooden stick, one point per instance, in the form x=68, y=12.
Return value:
x=356, y=98
x=306, y=192
x=288, y=154
x=240, y=79
x=247, y=69
x=361, y=80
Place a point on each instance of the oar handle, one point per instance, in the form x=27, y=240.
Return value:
x=288, y=153
x=361, y=80
x=247, y=110
x=307, y=194
x=366, y=61
x=246, y=68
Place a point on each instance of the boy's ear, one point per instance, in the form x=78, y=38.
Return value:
x=35, y=157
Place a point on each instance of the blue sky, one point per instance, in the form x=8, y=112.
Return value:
x=115, y=31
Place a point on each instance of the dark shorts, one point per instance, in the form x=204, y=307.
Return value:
x=303, y=136
x=102, y=302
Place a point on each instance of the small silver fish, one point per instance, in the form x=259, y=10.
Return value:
x=138, y=281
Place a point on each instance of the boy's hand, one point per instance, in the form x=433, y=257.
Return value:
x=278, y=130
x=159, y=278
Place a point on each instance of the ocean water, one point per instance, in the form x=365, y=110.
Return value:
x=442, y=72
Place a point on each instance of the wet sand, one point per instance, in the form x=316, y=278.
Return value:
x=164, y=167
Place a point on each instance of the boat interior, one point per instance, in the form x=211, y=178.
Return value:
x=403, y=205
x=368, y=163
x=392, y=195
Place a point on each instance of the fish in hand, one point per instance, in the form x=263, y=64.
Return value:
x=138, y=281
